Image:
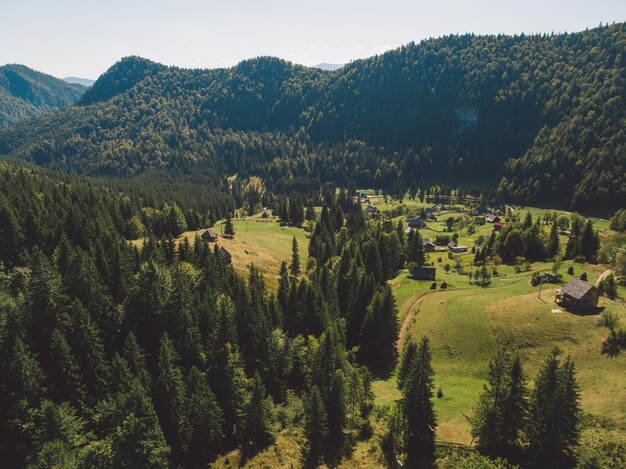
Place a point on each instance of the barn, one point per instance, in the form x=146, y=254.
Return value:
x=424, y=273
x=577, y=295
x=209, y=235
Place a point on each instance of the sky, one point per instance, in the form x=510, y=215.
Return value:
x=84, y=38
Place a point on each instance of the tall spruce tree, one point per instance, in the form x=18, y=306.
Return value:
x=418, y=410
x=229, y=229
x=316, y=425
x=553, y=424
x=379, y=331
x=294, y=267
x=409, y=349
x=170, y=395
x=499, y=413
x=336, y=409
x=203, y=421
x=554, y=245
x=258, y=430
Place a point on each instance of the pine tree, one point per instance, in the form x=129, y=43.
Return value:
x=515, y=408
x=316, y=425
x=379, y=332
x=554, y=245
x=409, y=350
x=64, y=374
x=310, y=212
x=294, y=267
x=589, y=242
x=132, y=429
x=528, y=221
x=170, y=395
x=203, y=421
x=554, y=413
x=258, y=431
x=499, y=413
x=418, y=410
x=336, y=410
x=282, y=293
x=229, y=230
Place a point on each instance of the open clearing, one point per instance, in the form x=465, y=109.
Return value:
x=262, y=242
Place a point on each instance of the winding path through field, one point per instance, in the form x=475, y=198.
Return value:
x=411, y=311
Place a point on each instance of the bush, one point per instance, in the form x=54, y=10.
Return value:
x=433, y=286
x=439, y=392
x=609, y=319
x=580, y=259
x=583, y=276
x=570, y=270
x=608, y=286
x=545, y=277
x=443, y=285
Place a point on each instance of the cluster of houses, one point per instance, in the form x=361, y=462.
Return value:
x=362, y=198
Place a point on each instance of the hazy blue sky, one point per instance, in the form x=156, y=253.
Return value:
x=83, y=38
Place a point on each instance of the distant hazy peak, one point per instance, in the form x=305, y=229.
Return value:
x=327, y=66
x=79, y=81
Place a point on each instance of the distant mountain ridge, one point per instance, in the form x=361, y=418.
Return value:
x=541, y=114
x=26, y=93
x=329, y=67
x=87, y=82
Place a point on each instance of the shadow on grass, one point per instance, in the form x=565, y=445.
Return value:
x=587, y=312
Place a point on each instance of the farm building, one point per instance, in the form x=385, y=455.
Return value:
x=492, y=218
x=225, y=255
x=209, y=235
x=371, y=209
x=457, y=249
x=265, y=213
x=424, y=273
x=428, y=245
x=497, y=226
x=416, y=223
x=577, y=295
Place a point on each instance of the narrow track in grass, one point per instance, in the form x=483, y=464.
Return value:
x=411, y=311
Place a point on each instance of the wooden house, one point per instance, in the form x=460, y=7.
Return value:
x=209, y=235
x=428, y=245
x=225, y=255
x=577, y=295
x=416, y=223
x=424, y=273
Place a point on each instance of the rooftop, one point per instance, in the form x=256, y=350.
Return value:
x=576, y=288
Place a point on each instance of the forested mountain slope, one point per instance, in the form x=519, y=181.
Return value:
x=544, y=113
x=25, y=93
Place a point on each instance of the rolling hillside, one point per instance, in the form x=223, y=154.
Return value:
x=541, y=117
x=26, y=93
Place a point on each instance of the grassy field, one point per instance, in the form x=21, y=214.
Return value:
x=262, y=242
x=466, y=324
x=266, y=244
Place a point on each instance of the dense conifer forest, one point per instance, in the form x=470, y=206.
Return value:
x=128, y=340
x=26, y=93
x=538, y=117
